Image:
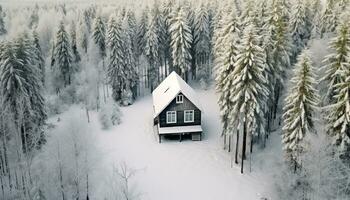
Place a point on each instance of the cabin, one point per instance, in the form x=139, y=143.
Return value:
x=177, y=111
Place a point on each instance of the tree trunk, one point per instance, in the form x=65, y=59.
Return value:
x=237, y=143
x=87, y=114
x=244, y=145
x=229, y=143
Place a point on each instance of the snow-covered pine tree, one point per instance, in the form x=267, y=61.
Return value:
x=300, y=105
x=192, y=27
x=21, y=88
x=116, y=74
x=132, y=30
x=329, y=18
x=39, y=59
x=339, y=113
x=202, y=32
x=249, y=92
x=63, y=67
x=82, y=35
x=277, y=45
x=299, y=26
x=2, y=23
x=99, y=35
x=315, y=9
x=141, y=31
x=337, y=71
x=338, y=60
x=74, y=46
x=181, y=40
x=166, y=10
x=224, y=65
x=129, y=65
x=152, y=49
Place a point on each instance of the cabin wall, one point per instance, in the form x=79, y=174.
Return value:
x=179, y=108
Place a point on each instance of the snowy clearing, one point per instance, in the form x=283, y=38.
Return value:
x=174, y=170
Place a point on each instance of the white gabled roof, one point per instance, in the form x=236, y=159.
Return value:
x=169, y=89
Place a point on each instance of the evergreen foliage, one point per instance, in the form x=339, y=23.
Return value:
x=300, y=106
x=181, y=40
x=62, y=58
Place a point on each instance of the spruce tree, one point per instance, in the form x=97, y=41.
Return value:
x=83, y=32
x=300, y=26
x=329, y=18
x=116, y=73
x=249, y=92
x=21, y=89
x=202, y=36
x=300, y=106
x=277, y=45
x=338, y=60
x=74, y=45
x=99, y=35
x=39, y=59
x=3, y=30
x=152, y=50
x=141, y=32
x=129, y=64
x=181, y=39
x=224, y=65
x=339, y=113
x=62, y=54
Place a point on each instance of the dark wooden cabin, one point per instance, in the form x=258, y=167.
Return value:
x=176, y=109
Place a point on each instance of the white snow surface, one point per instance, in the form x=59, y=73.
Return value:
x=173, y=170
x=169, y=89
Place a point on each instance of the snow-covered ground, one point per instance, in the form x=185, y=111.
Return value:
x=173, y=170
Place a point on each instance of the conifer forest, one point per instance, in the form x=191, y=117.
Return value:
x=76, y=110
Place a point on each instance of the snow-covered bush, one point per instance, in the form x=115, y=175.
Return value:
x=126, y=98
x=203, y=76
x=110, y=114
x=55, y=105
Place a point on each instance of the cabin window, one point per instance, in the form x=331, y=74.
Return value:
x=171, y=117
x=179, y=98
x=189, y=116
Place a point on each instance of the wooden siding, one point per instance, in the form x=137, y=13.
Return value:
x=179, y=108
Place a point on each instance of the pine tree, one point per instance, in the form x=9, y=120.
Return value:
x=338, y=60
x=225, y=59
x=141, y=32
x=74, y=46
x=2, y=23
x=129, y=65
x=300, y=26
x=339, y=113
x=249, y=92
x=202, y=36
x=152, y=49
x=116, y=73
x=181, y=39
x=82, y=35
x=62, y=54
x=329, y=18
x=277, y=45
x=39, y=59
x=99, y=35
x=300, y=106
x=21, y=88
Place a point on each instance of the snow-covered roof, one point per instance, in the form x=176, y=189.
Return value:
x=180, y=129
x=169, y=89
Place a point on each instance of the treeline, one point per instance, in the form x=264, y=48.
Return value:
x=256, y=46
